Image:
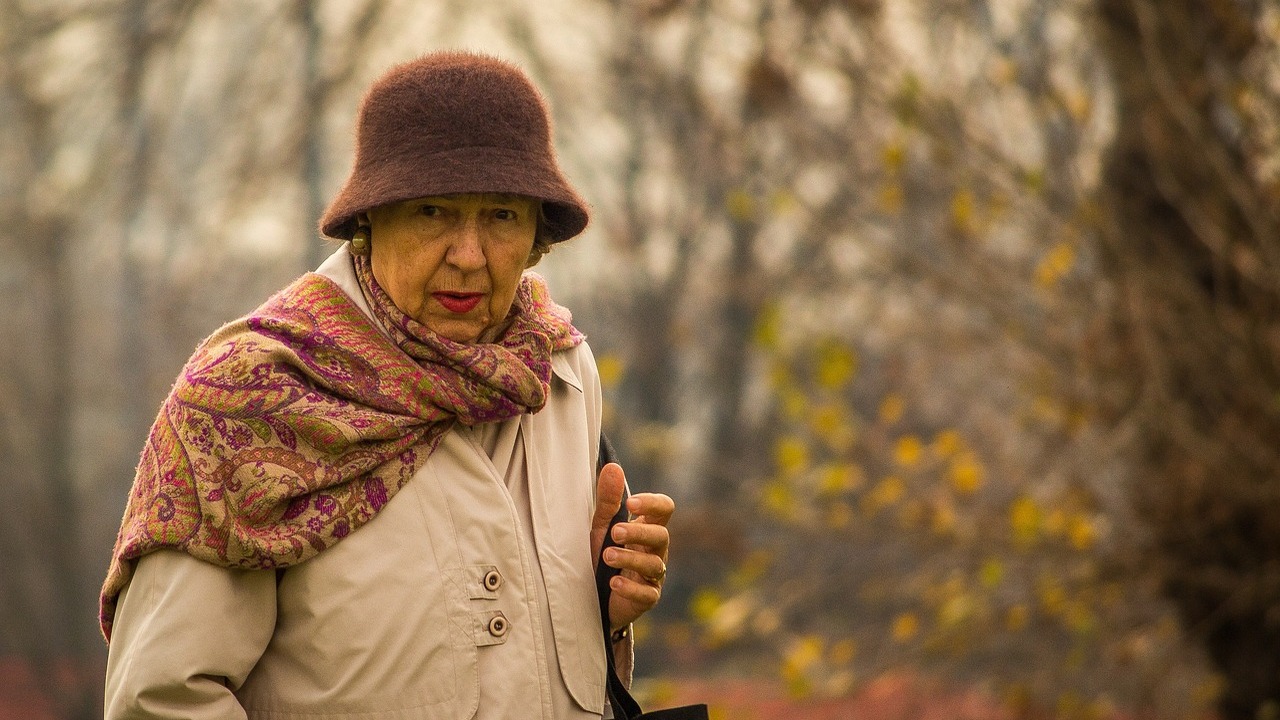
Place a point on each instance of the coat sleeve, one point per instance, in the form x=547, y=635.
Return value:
x=186, y=636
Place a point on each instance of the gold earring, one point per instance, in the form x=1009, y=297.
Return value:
x=360, y=241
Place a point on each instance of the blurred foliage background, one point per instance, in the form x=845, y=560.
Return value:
x=952, y=325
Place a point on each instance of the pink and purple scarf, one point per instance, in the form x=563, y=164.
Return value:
x=289, y=429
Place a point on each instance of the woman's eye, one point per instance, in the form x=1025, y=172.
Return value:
x=504, y=214
x=430, y=210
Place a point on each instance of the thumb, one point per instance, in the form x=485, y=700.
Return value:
x=609, y=488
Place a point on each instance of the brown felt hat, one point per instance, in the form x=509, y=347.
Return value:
x=448, y=123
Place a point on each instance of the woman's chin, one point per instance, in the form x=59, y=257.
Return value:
x=459, y=330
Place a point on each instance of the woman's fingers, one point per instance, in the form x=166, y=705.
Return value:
x=641, y=595
x=654, y=508
x=610, y=486
x=642, y=557
x=646, y=536
x=645, y=565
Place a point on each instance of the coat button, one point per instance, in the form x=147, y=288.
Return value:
x=498, y=626
x=492, y=580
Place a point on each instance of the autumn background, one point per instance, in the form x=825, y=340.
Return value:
x=952, y=325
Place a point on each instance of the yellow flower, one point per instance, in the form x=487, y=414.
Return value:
x=704, y=604
x=661, y=691
x=1055, y=265
x=611, y=368
x=956, y=610
x=751, y=569
x=947, y=443
x=799, y=686
x=1082, y=531
x=965, y=474
x=894, y=155
x=642, y=629
x=963, y=211
x=780, y=375
x=768, y=330
x=1024, y=518
x=783, y=201
x=1080, y=619
x=804, y=653
x=892, y=408
x=991, y=573
x=905, y=627
x=907, y=451
x=791, y=455
x=795, y=404
x=829, y=420
x=832, y=425
x=837, y=365
x=886, y=492
x=843, y=652
x=1079, y=104
x=1035, y=180
x=840, y=478
x=779, y=500
x=943, y=521
x=741, y=205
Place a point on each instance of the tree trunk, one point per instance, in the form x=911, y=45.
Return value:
x=1191, y=235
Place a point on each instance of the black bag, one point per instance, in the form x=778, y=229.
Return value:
x=624, y=706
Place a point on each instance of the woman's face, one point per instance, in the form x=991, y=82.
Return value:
x=453, y=262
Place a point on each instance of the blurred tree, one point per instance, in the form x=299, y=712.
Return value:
x=43, y=556
x=900, y=194
x=900, y=300
x=105, y=288
x=162, y=166
x=1191, y=202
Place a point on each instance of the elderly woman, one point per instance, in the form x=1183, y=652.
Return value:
x=377, y=495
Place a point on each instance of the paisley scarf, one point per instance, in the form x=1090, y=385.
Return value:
x=290, y=428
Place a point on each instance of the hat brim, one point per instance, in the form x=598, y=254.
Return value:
x=383, y=181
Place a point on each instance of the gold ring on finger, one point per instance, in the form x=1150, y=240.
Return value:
x=656, y=579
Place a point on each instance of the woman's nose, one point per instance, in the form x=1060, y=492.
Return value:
x=466, y=252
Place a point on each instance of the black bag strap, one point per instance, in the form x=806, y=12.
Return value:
x=624, y=706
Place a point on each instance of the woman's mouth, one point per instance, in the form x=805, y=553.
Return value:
x=458, y=302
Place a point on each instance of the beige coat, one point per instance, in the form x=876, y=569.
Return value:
x=467, y=596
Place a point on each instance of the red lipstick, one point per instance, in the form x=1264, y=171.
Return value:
x=458, y=302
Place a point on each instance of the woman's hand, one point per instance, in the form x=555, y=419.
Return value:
x=643, y=544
